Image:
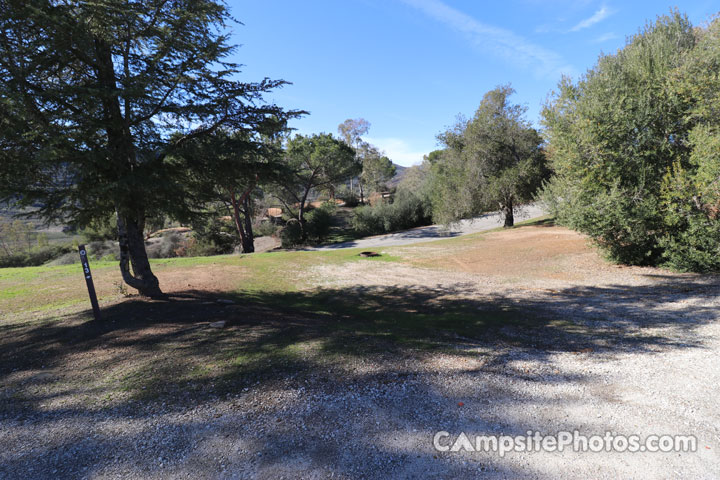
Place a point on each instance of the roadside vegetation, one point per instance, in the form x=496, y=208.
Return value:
x=635, y=152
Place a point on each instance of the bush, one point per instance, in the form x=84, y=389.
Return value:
x=692, y=230
x=351, y=200
x=197, y=247
x=266, y=228
x=69, y=258
x=291, y=233
x=366, y=221
x=319, y=221
x=213, y=235
x=99, y=250
x=34, y=257
x=635, y=150
x=407, y=211
x=167, y=246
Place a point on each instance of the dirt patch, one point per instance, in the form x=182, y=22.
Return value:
x=201, y=278
x=529, y=255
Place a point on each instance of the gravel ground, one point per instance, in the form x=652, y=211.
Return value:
x=635, y=351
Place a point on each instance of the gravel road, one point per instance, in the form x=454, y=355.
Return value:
x=437, y=232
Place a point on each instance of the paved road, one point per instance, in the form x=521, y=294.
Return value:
x=436, y=232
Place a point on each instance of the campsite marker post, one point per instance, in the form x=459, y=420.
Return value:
x=89, y=281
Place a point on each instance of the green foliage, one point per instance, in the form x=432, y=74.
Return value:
x=315, y=163
x=211, y=234
x=691, y=240
x=99, y=249
x=42, y=240
x=100, y=229
x=419, y=180
x=291, y=233
x=201, y=247
x=15, y=237
x=266, y=228
x=350, y=198
x=320, y=160
x=494, y=159
x=405, y=212
x=377, y=169
x=634, y=148
x=70, y=143
x=116, y=89
x=319, y=221
x=232, y=167
x=34, y=257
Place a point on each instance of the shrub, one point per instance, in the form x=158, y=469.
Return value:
x=42, y=240
x=198, y=247
x=99, y=250
x=351, y=200
x=692, y=238
x=319, y=221
x=405, y=212
x=365, y=221
x=214, y=235
x=34, y=257
x=167, y=246
x=291, y=233
x=635, y=150
x=266, y=228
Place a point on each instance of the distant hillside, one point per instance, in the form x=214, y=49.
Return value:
x=399, y=173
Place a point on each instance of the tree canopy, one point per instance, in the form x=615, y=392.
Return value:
x=493, y=160
x=97, y=96
x=377, y=169
x=316, y=162
x=634, y=148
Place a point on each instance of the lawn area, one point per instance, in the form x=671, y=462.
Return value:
x=277, y=313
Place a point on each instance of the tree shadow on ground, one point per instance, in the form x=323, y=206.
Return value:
x=148, y=353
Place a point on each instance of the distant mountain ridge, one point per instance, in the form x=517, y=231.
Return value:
x=399, y=174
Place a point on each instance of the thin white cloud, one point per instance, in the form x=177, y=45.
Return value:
x=597, y=17
x=500, y=42
x=397, y=150
x=605, y=37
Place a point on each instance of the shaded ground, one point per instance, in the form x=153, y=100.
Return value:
x=351, y=374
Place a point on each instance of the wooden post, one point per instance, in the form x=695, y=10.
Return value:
x=89, y=281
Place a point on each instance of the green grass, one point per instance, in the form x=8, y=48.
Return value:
x=152, y=350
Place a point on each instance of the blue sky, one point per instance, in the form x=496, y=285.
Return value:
x=410, y=67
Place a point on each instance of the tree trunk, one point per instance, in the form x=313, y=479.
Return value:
x=301, y=214
x=248, y=242
x=132, y=252
x=243, y=227
x=362, y=192
x=301, y=219
x=507, y=211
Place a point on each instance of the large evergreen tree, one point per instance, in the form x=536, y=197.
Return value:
x=95, y=97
